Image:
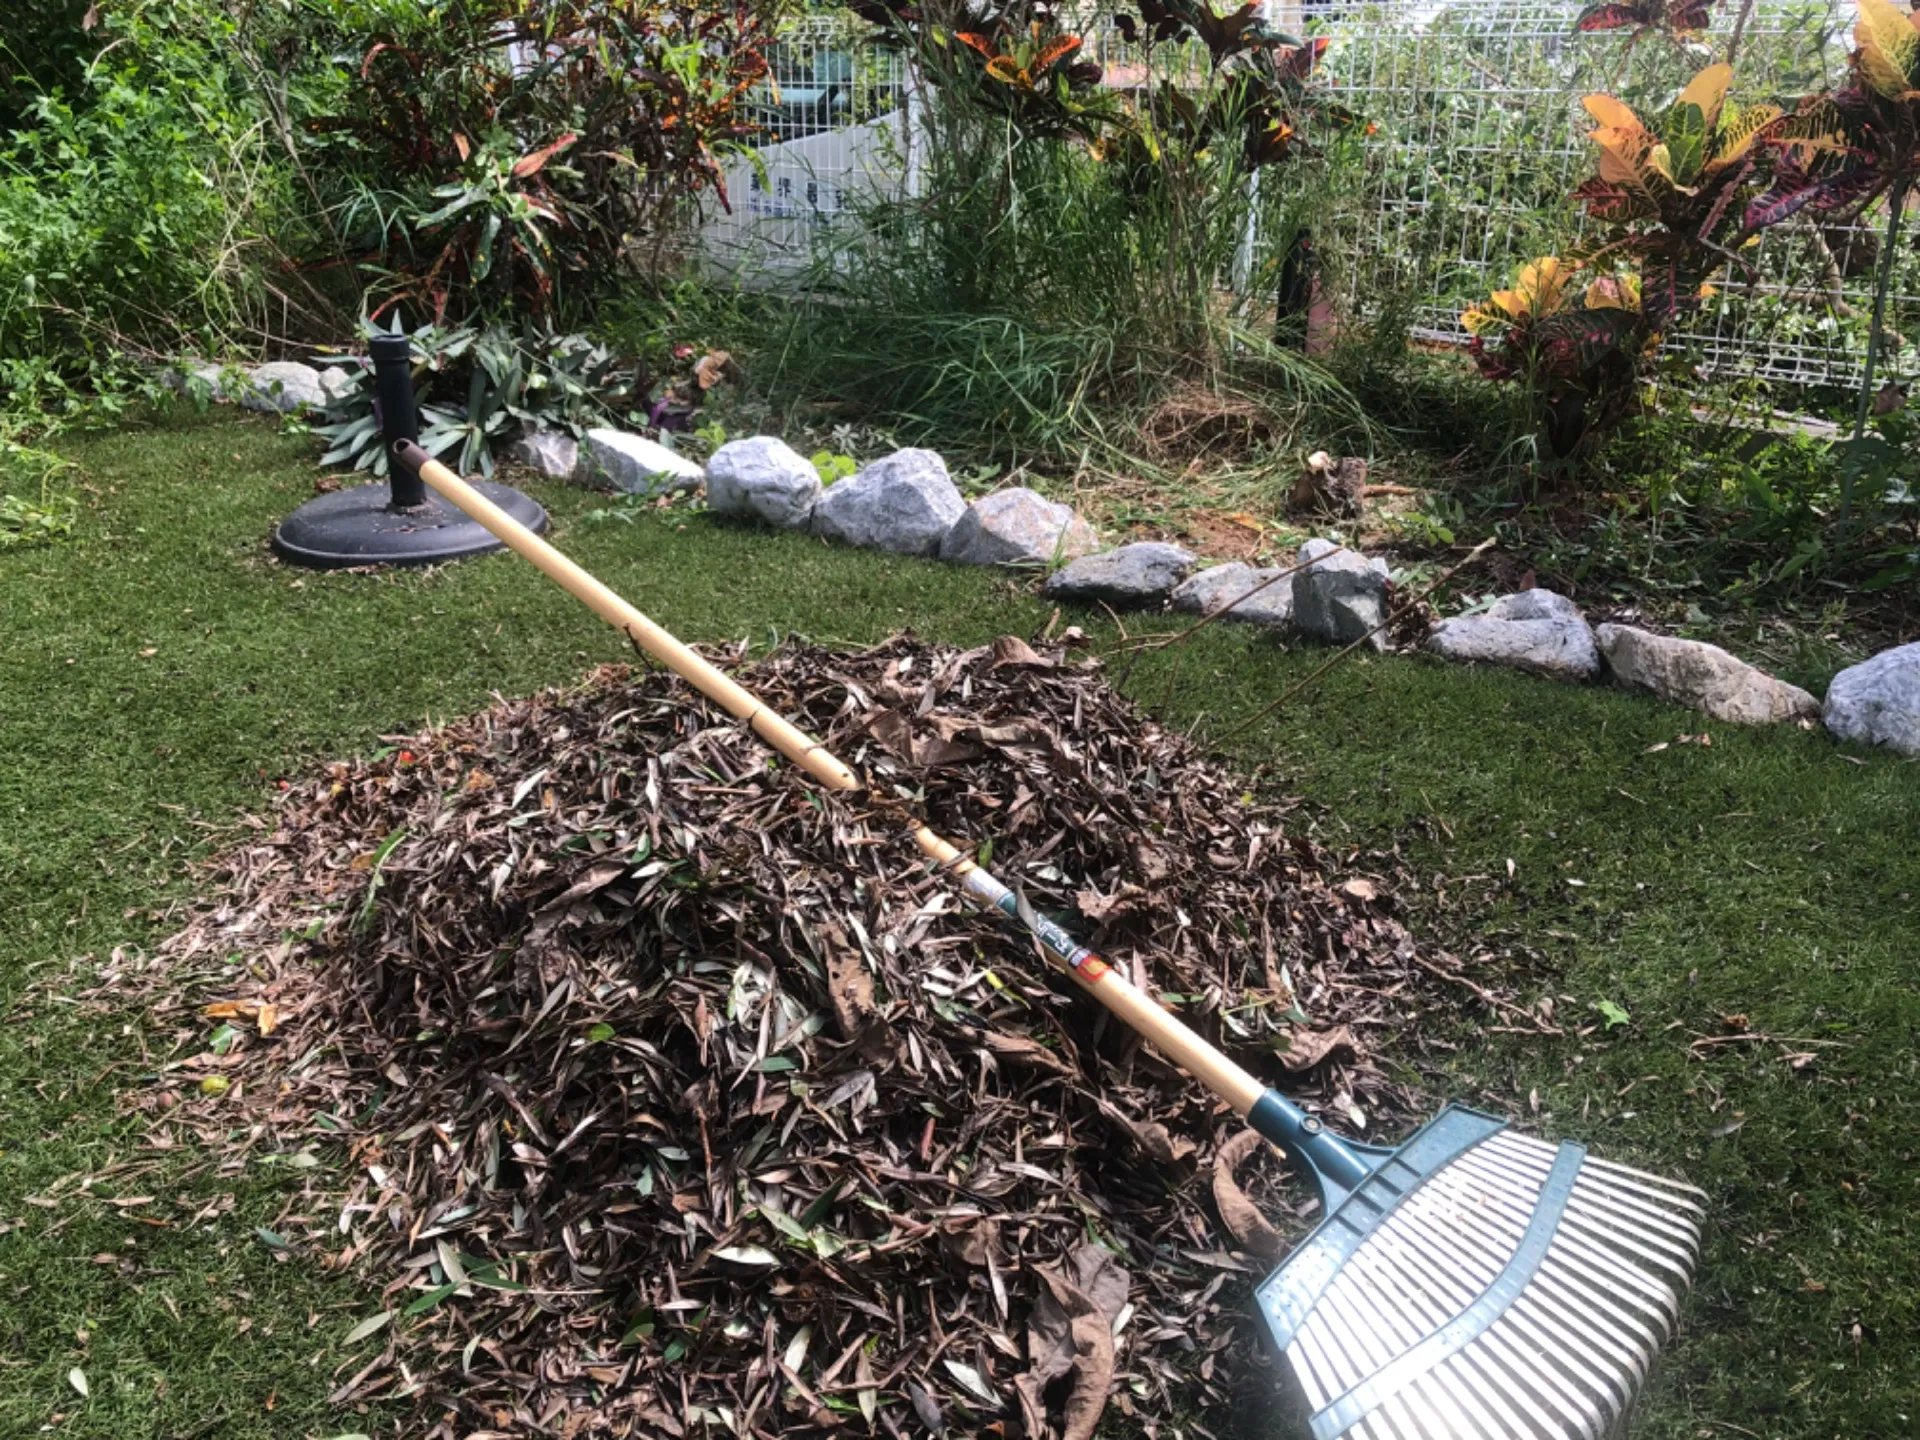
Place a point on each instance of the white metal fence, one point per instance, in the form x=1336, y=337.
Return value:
x=832, y=127
x=1479, y=138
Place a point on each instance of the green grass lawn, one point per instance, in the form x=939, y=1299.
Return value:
x=158, y=674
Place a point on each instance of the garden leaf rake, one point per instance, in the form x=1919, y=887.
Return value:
x=1471, y=1283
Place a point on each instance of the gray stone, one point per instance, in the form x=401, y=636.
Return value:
x=1018, y=527
x=1877, y=701
x=1340, y=597
x=1141, y=574
x=337, y=382
x=905, y=503
x=763, y=478
x=281, y=387
x=634, y=465
x=1701, y=676
x=1535, y=630
x=182, y=375
x=552, y=453
x=1208, y=590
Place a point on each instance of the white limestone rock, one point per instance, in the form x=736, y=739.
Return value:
x=552, y=453
x=1207, y=591
x=634, y=465
x=1535, y=630
x=905, y=504
x=1877, y=702
x=1018, y=527
x=763, y=478
x=1700, y=676
x=281, y=387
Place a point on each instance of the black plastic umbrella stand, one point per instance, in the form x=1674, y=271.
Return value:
x=398, y=522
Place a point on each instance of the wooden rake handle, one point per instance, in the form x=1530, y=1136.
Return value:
x=1133, y=1007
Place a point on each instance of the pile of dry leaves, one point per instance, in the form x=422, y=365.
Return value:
x=664, y=1095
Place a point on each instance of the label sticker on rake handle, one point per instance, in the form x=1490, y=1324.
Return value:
x=1090, y=967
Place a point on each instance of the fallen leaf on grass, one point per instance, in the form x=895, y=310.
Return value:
x=263, y=1013
x=372, y=1325
x=77, y=1378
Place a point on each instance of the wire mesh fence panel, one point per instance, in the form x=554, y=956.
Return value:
x=1475, y=139
x=1479, y=138
x=830, y=127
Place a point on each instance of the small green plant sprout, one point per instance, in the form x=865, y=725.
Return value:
x=833, y=466
x=43, y=519
x=706, y=438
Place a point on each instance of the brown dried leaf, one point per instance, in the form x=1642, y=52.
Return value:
x=1239, y=1214
x=976, y=1244
x=1128, y=899
x=1308, y=1048
x=1012, y=650
x=1161, y=1145
x=712, y=368
x=1072, y=1330
x=850, y=985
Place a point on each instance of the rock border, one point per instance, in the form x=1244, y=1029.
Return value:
x=905, y=503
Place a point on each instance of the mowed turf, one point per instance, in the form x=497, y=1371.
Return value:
x=161, y=672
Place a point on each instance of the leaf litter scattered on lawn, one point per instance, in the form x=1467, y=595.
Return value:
x=663, y=1094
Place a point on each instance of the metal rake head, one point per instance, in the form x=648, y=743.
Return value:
x=1482, y=1284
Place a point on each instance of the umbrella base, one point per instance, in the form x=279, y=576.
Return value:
x=361, y=527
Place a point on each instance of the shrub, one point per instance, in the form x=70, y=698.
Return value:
x=477, y=390
x=1066, y=258
x=485, y=153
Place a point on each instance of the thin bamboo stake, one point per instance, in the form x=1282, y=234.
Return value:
x=1129, y=1004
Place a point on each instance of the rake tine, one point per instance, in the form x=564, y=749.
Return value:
x=1529, y=1166
x=1594, y=1249
x=1311, y=1364
x=1464, y=1288
x=1692, y=1196
x=1677, y=1259
x=1358, y=1332
x=1570, y=1341
x=1404, y=1300
x=1573, y=1289
x=1461, y=1402
x=1535, y=1363
x=1535, y=1314
x=1566, y=1258
x=1440, y=1241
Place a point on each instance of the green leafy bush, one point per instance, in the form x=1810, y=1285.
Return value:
x=491, y=152
x=148, y=208
x=477, y=390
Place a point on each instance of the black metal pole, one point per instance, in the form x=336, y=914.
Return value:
x=399, y=416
